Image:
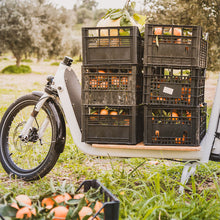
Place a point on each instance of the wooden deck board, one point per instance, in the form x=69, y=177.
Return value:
x=141, y=146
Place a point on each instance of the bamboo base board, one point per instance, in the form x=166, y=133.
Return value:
x=141, y=146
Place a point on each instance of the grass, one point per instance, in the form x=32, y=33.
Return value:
x=55, y=64
x=145, y=191
x=27, y=61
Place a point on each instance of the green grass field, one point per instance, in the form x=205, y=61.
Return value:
x=145, y=190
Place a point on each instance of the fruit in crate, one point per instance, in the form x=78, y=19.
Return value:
x=58, y=203
x=174, y=116
x=93, y=83
x=115, y=81
x=24, y=213
x=59, y=212
x=103, y=112
x=158, y=31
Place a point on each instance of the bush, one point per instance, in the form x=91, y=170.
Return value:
x=17, y=69
x=55, y=64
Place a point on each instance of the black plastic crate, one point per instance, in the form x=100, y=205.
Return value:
x=173, y=86
x=113, y=45
x=112, y=85
x=175, y=45
x=111, y=203
x=112, y=124
x=174, y=125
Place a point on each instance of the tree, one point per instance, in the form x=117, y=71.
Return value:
x=83, y=15
x=15, y=23
x=34, y=26
x=89, y=4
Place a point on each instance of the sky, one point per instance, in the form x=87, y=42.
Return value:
x=101, y=3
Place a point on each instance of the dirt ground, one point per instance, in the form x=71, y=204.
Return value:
x=210, y=87
x=24, y=83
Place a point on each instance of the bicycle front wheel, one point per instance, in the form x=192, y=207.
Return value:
x=33, y=157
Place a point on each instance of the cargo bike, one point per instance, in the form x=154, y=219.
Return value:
x=33, y=129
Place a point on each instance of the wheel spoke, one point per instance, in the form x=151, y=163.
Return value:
x=31, y=154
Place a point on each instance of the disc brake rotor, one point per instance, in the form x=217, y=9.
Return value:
x=24, y=145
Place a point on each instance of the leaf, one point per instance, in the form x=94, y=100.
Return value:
x=157, y=41
x=72, y=202
x=73, y=214
x=116, y=15
x=86, y=217
x=125, y=21
x=141, y=19
x=53, y=189
x=7, y=210
x=133, y=4
x=6, y=197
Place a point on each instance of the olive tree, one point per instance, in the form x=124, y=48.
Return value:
x=15, y=25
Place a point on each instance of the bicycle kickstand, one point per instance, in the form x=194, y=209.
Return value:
x=188, y=170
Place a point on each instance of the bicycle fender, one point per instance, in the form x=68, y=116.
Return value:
x=60, y=122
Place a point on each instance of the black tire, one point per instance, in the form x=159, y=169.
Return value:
x=32, y=159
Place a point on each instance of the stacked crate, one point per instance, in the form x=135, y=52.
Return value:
x=174, y=83
x=112, y=85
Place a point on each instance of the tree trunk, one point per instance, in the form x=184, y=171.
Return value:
x=18, y=61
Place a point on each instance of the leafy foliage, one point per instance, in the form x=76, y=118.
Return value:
x=17, y=69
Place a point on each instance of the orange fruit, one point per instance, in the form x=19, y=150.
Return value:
x=62, y=198
x=93, y=117
x=177, y=31
x=98, y=206
x=126, y=122
x=124, y=81
x=174, y=116
x=93, y=83
x=78, y=196
x=33, y=211
x=85, y=211
x=113, y=113
x=101, y=71
x=188, y=115
x=14, y=205
x=157, y=133
x=23, y=213
x=189, y=99
x=178, y=140
x=67, y=196
x=59, y=198
x=178, y=41
x=103, y=85
x=60, y=212
x=104, y=112
x=115, y=81
x=48, y=203
x=158, y=31
x=23, y=199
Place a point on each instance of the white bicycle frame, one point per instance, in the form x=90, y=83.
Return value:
x=197, y=154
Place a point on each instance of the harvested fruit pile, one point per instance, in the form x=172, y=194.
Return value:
x=58, y=203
